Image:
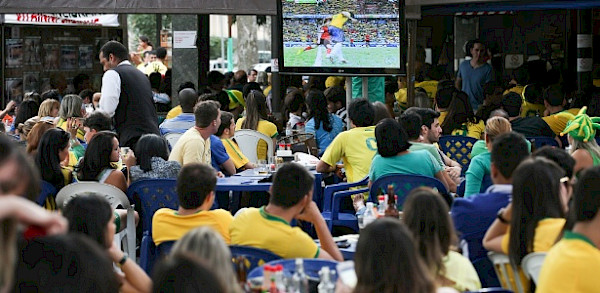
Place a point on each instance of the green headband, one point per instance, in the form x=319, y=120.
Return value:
x=580, y=127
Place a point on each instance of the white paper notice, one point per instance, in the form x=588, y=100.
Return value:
x=184, y=39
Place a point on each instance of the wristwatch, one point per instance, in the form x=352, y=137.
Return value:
x=501, y=218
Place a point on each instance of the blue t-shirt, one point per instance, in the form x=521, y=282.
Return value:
x=413, y=163
x=473, y=216
x=179, y=124
x=323, y=137
x=473, y=80
x=218, y=153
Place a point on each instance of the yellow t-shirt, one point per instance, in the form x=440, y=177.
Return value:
x=356, y=148
x=267, y=90
x=338, y=20
x=460, y=270
x=156, y=66
x=334, y=80
x=234, y=152
x=257, y=228
x=545, y=235
x=265, y=127
x=191, y=148
x=401, y=98
x=443, y=115
x=530, y=109
x=174, y=112
x=167, y=225
x=63, y=125
x=516, y=89
x=558, y=123
x=474, y=130
x=430, y=86
x=572, y=265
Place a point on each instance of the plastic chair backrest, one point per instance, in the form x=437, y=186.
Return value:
x=153, y=194
x=457, y=148
x=247, y=140
x=116, y=197
x=508, y=275
x=172, y=138
x=540, y=141
x=312, y=266
x=255, y=256
x=47, y=190
x=532, y=265
x=403, y=184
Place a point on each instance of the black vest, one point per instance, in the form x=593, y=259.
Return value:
x=135, y=115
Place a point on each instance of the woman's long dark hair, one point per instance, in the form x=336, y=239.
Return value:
x=256, y=109
x=89, y=214
x=150, y=145
x=536, y=196
x=27, y=109
x=459, y=112
x=386, y=260
x=53, y=141
x=391, y=138
x=97, y=156
x=317, y=109
x=426, y=216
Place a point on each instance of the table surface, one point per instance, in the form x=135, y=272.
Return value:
x=348, y=252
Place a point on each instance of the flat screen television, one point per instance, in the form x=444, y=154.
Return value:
x=342, y=37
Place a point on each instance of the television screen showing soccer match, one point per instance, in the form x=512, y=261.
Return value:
x=341, y=36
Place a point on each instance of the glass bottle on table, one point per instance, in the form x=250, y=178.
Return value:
x=369, y=215
x=299, y=279
x=392, y=209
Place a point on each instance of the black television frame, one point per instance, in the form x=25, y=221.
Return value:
x=345, y=71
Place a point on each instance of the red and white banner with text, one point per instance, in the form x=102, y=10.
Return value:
x=76, y=19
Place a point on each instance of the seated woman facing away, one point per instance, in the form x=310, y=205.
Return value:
x=426, y=215
x=533, y=221
x=324, y=125
x=96, y=165
x=208, y=245
x=256, y=119
x=394, y=157
x=151, y=155
x=53, y=150
x=91, y=214
x=460, y=119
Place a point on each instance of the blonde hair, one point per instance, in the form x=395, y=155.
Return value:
x=47, y=106
x=495, y=126
x=206, y=244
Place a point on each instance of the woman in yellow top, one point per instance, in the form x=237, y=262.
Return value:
x=535, y=218
x=256, y=119
x=426, y=215
x=461, y=120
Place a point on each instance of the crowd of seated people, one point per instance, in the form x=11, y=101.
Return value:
x=80, y=146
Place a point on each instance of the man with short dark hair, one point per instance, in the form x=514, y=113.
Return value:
x=194, y=145
x=554, y=101
x=472, y=216
x=355, y=147
x=240, y=78
x=527, y=126
x=196, y=193
x=473, y=74
x=158, y=63
x=268, y=227
x=126, y=95
x=573, y=263
x=182, y=122
x=97, y=121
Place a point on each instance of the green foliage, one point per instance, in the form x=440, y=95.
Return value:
x=260, y=19
x=145, y=25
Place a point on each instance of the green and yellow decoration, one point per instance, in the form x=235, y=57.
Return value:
x=580, y=127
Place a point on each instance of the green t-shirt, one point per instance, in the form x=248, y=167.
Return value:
x=416, y=146
x=414, y=163
x=478, y=168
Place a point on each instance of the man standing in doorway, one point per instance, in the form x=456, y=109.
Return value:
x=474, y=73
x=126, y=95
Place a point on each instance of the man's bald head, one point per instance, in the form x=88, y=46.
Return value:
x=187, y=99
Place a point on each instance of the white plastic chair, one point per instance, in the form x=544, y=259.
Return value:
x=115, y=198
x=532, y=265
x=172, y=138
x=507, y=273
x=247, y=140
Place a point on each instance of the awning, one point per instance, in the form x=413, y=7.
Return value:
x=435, y=7
x=230, y=7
